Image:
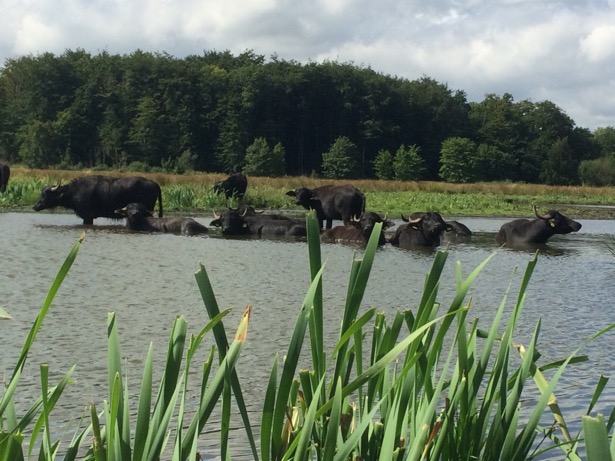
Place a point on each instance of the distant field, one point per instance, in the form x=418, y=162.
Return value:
x=191, y=193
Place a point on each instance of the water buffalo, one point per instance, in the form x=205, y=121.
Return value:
x=139, y=218
x=539, y=230
x=424, y=229
x=233, y=186
x=5, y=173
x=359, y=230
x=234, y=222
x=99, y=196
x=331, y=202
x=453, y=228
x=457, y=229
x=249, y=210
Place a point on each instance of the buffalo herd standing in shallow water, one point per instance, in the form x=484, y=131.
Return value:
x=134, y=199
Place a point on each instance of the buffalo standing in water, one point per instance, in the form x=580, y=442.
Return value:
x=331, y=202
x=539, y=230
x=99, y=196
x=139, y=218
x=5, y=173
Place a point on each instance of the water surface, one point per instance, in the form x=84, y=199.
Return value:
x=148, y=280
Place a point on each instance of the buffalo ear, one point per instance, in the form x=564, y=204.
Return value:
x=292, y=193
x=386, y=224
x=216, y=223
x=552, y=223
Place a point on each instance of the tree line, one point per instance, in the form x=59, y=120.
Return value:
x=230, y=113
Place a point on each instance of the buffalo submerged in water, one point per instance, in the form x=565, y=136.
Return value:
x=98, y=196
x=422, y=229
x=539, y=230
x=245, y=222
x=139, y=218
x=359, y=230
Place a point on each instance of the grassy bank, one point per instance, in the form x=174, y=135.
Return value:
x=191, y=193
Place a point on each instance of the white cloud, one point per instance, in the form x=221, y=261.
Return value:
x=540, y=49
x=33, y=35
x=599, y=44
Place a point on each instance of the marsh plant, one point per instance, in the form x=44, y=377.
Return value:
x=426, y=384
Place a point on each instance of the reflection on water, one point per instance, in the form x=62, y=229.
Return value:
x=148, y=279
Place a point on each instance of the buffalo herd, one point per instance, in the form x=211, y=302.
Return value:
x=134, y=199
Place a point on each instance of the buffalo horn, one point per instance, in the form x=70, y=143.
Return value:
x=356, y=218
x=546, y=216
x=216, y=215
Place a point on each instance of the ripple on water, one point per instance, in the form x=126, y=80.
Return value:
x=148, y=280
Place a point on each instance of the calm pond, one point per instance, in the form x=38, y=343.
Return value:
x=148, y=279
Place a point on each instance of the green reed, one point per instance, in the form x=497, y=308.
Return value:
x=427, y=383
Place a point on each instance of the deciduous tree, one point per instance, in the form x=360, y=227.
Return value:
x=339, y=161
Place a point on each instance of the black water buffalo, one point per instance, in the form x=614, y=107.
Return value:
x=539, y=230
x=331, y=202
x=139, y=218
x=425, y=229
x=453, y=228
x=359, y=230
x=457, y=229
x=249, y=210
x=233, y=186
x=99, y=196
x=5, y=173
x=234, y=222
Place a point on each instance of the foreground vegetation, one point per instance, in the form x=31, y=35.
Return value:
x=192, y=193
x=427, y=383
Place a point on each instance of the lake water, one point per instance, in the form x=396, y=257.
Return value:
x=148, y=279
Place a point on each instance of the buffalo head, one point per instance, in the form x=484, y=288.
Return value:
x=51, y=197
x=230, y=221
x=558, y=222
x=134, y=210
x=304, y=197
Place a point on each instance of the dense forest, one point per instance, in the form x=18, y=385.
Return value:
x=225, y=113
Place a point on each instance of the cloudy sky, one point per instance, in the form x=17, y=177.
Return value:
x=557, y=50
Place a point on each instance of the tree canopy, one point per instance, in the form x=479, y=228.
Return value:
x=221, y=112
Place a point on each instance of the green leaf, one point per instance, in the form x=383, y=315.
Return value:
x=596, y=439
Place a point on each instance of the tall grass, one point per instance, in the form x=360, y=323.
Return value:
x=192, y=192
x=427, y=383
